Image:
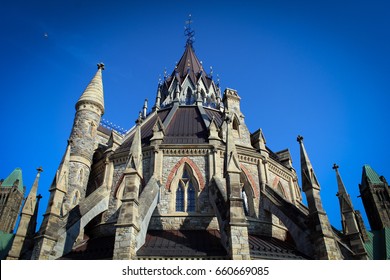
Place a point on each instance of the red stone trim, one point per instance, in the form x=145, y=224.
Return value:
x=194, y=167
x=251, y=180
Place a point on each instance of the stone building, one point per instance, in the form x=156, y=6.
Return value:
x=11, y=197
x=188, y=181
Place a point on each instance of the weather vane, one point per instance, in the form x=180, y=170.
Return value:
x=189, y=32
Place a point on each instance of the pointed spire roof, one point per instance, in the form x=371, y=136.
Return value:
x=185, y=78
x=94, y=91
x=345, y=200
x=14, y=178
x=60, y=180
x=135, y=154
x=189, y=64
x=29, y=206
x=309, y=178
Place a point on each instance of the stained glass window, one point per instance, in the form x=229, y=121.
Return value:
x=191, y=198
x=180, y=198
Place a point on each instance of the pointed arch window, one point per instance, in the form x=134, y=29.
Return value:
x=245, y=202
x=247, y=196
x=186, y=192
x=189, y=97
x=236, y=127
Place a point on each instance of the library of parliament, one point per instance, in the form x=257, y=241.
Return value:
x=188, y=181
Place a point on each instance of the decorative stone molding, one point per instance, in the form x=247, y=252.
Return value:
x=252, y=182
x=194, y=167
x=85, y=105
x=279, y=172
x=248, y=159
x=187, y=152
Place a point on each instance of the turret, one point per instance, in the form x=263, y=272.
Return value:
x=70, y=182
x=375, y=195
x=89, y=110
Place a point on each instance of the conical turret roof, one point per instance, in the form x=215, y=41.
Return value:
x=94, y=91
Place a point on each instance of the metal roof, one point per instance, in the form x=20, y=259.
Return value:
x=186, y=127
x=372, y=176
x=10, y=180
x=182, y=243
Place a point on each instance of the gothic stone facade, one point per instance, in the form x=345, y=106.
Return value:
x=189, y=181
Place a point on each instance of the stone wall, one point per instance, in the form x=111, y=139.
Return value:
x=111, y=214
x=184, y=222
x=166, y=196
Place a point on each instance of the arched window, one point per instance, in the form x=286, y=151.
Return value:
x=245, y=202
x=186, y=194
x=236, y=127
x=235, y=123
x=189, y=97
x=180, y=198
x=247, y=196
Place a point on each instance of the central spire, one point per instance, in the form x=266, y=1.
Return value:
x=189, y=84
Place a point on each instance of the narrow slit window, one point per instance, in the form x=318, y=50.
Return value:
x=180, y=198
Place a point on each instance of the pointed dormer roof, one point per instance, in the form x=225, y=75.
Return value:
x=309, y=178
x=94, y=91
x=135, y=154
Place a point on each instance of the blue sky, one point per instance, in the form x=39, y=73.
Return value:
x=315, y=68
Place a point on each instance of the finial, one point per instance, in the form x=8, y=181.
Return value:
x=189, y=32
x=100, y=66
x=335, y=166
x=165, y=73
x=39, y=169
x=139, y=119
x=300, y=139
x=211, y=71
